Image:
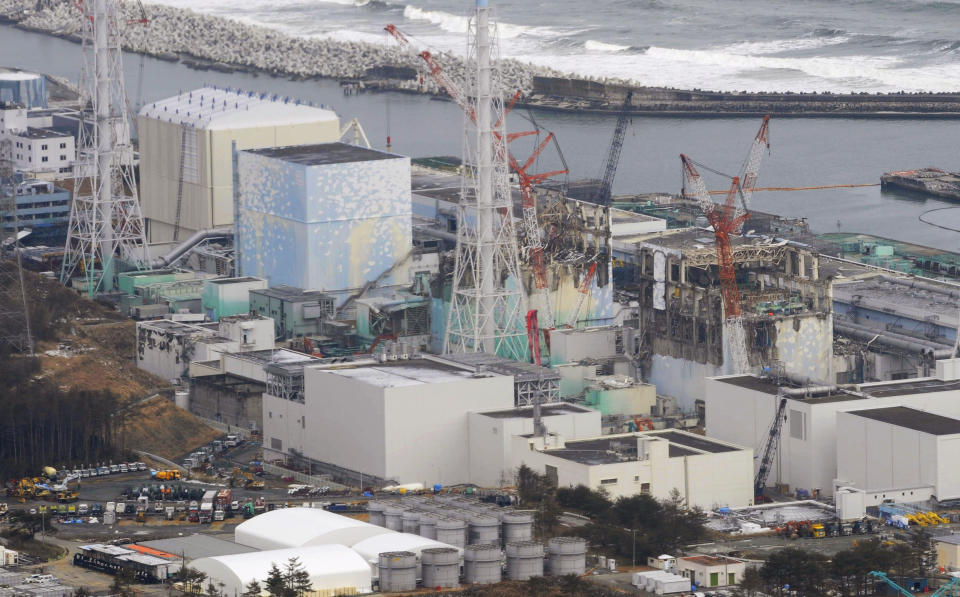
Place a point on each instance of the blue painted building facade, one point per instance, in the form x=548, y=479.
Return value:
x=328, y=217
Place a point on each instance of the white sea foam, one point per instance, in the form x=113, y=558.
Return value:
x=458, y=23
x=593, y=45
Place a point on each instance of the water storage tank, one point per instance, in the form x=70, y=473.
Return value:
x=440, y=567
x=566, y=555
x=398, y=571
x=393, y=518
x=182, y=400
x=481, y=565
x=483, y=530
x=451, y=531
x=428, y=525
x=376, y=513
x=24, y=88
x=516, y=526
x=524, y=560
x=410, y=521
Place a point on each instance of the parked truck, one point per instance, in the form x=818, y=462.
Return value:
x=224, y=498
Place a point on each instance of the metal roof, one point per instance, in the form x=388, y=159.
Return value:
x=197, y=546
x=911, y=418
x=212, y=108
x=324, y=154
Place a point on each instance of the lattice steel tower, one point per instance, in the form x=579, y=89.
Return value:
x=105, y=219
x=487, y=302
x=14, y=315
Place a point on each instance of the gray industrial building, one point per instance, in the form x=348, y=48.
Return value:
x=295, y=312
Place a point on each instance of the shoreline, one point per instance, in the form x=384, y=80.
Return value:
x=204, y=42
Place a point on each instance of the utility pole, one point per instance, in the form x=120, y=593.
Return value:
x=14, y=313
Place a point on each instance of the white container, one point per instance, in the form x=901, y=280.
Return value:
x=612, y=565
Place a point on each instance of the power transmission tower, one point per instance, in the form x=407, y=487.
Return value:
x=487, y=302
x=106, y=225
x=14, y=316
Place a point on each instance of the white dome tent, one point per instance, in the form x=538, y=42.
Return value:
x=297, y=527
x=331, y=567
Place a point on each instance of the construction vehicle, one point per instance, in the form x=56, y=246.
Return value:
x=167, y=475
x=641, y=424
x=242, y=478
x=818, y=531
x=67, y=496
x=769, y=450
x=259, y=505
x=950, y=588
x=248, y=511
x=609, y=170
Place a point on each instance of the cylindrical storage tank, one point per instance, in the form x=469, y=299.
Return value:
x=567, y=555
x=516, y=526
x=375, y=509
x=451, y=531
x=393, y=518
x=440, y=567
x=444, y=499
x=428, y=525
x=524, y=560
x=481, y=565
x=182, y=400
x=410, y=521
x=483, y=530
x=398, y=571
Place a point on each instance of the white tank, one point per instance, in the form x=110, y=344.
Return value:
x=440, y=567
x=393, y=518
x=375, y=509
x=481, y=565
x=524, y=560
x=398, y=571
x=428, y=525
x=566, y=555
x=516, y=526
x=483, y=530
x=410, y=521
x=451, y=531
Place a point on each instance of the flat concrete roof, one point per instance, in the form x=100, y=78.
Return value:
x=292, y=293
x=323, y=154
x=711, y=560
x=915, y=386
x=547, y=410
x=911, y=418
x=521, y=371
x=767, y=386
x=703, y=444
x=234, y=280
x=197, y=546
x=412, y=372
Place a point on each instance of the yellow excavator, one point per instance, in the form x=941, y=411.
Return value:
x=242, y=478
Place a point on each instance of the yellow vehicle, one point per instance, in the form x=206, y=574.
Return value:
x=67, y=496
x=168, y=475
x=936, y=517
x=818, y=531
x=141, y=516
x=245, y=479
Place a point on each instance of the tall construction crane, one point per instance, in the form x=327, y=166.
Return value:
x=727, y=218
x=612, y=161
x=533, y=339
x=526, y=180
x=770, y=448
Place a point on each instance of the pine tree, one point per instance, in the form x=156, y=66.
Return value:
x=252, y=590
x=275, y=584
x=297, y=578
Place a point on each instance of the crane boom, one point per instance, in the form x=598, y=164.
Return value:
x=584, y=290
x=612, y=161
x=751, y=168
x=531, y=227
x=770, y=449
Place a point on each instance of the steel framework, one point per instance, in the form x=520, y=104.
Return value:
x=487, y=300
x=14, y=312
x=105, y=219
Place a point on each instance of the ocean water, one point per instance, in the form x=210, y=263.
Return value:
x=755, y=45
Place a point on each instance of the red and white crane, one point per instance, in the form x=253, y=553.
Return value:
x=526, y=180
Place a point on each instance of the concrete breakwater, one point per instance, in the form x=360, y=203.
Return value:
x=209, y=42
x=564, y=93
